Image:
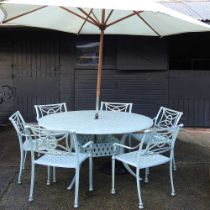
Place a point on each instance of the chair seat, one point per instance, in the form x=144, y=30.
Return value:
x=157, y=138
x=68, y=160
x=147, y=161
x=137, y=136
x=27, y=145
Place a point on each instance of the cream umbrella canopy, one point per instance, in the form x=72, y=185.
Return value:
x=128, y=17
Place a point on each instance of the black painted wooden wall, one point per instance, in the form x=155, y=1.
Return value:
x=42, y=66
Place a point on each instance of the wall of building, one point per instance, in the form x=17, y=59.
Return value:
x=48, y=67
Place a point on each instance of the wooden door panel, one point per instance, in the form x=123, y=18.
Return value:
x=36, y=71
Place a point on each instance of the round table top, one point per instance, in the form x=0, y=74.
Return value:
x=84, y=122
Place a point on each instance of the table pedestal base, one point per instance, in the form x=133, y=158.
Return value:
x=119, y=168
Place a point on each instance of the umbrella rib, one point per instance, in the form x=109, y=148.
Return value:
x=123, y=18
x=94, y=21
x=84, y=22
x=109, y=15
x=23, y=14
x=74, y=13
x=148, y=24
x=95, y=17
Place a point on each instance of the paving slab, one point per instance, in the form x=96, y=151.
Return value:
x=191, y=182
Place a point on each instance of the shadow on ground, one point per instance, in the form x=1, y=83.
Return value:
x=191, y=183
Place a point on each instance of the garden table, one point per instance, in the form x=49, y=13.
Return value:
x=109, y=123
x=84, y=122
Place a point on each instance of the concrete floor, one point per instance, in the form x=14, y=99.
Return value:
x=191, y=183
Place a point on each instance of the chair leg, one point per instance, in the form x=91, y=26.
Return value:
x=72, y=183
x=21, y=167
x=141, y=206
x=148, y=172
x=76, y=188
x=90, y=173
x=32, y=182
x=146, y=175
x=174, y=163
x=171, y=179
x=24, y=160
x=113, y=176
x=48, y=175
x=54, y=174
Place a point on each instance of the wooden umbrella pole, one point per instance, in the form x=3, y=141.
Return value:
x=100, y=64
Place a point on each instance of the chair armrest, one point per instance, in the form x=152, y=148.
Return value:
x=28, y=124
x=115, y=145
x=90, y=143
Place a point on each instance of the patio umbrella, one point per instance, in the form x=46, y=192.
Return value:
x=128, y=17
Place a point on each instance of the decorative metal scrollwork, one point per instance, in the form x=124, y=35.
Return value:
x=6, y=93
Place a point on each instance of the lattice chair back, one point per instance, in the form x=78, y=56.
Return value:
x=167, y=118
x=18, y=122
x=43, y=110
x=159, y=140
x=112, y=106
x=48, y=142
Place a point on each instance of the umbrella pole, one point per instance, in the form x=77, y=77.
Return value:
x=100, y=64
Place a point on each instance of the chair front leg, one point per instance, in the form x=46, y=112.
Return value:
x=32, y=182
x=141, y=206
x=171, y=178
x=146, y=175
x=54, y=174
x=24, y=159
x=48, y=175
x=76, y=188
x=174, y=163
x=113, y=176
x=90, y=173
x=21, y=167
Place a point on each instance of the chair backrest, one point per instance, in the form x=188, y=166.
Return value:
x=18, y=122
x=166, y=118
x=120, y=107
x=43, y=110
x=49, y=142
x=159, y=140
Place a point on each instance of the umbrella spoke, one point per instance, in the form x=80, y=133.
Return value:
x=84, y=22
x=80, y=16
x=95, y=17
x=92, y=19
x=123, y=18
x=23, y=14
x=148, y=24
x=109, y=15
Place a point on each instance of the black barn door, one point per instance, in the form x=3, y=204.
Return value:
x=36, y=67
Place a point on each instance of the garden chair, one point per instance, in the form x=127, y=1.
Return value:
x=19, y=123
x=165, y=118
x=43, y=110
x=158, y=150
x=57, y=151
